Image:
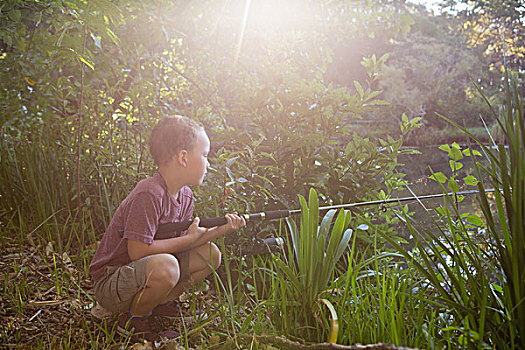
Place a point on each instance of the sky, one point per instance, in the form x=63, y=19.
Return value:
x=433, y=5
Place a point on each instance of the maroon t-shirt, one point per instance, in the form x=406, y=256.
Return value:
x=137, y=218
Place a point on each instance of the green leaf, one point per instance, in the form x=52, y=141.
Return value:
x=230, y=175
x=345, y=240
x=383, y=58
x=90, y=65
x=453, y=185
x=371, y=95
x=415, y=120
x=326, y=223
x=455, y=153
x=359, y=89
x=313, y=202
x=335, y=237
x=334, y=323
x=454, y=166
x=497, y=288
x=96, y=41
x=470, y=180
x=475, y=220
x=230, y=161
x=445, y=148
x=378, y=103
x=439, y=177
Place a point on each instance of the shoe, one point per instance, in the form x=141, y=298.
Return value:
x=172, y=310
x=142, y=328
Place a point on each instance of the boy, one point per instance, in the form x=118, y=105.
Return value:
x=138, y=276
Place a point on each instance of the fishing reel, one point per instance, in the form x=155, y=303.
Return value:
x=265, y=246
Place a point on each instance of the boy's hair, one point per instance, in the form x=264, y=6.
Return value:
x=171, y=135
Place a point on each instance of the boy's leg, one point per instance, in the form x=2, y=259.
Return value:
x=162, y=275
x=137, y=288
x=202, y=261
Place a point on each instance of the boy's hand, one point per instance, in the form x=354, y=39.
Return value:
x=234, y=223
x=201, y=235
x=195, y=231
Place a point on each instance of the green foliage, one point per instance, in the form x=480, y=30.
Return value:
x=307, y=269
x=427, y=75
x=507, y=172
x=430, y=71
x=381, y=300
x=495, y=26
x=475, y=266
x=84, y=81
x=375, y=298
x=63, y=140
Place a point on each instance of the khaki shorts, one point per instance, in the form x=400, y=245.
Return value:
x=116, y=289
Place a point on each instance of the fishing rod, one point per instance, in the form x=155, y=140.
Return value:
x=280, y=214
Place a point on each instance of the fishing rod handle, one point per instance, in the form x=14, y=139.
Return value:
x=218, y=221
x=183, y=225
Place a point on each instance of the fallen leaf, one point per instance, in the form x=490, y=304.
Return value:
x=49, y=249
x=142, y=346
x=29, y=81
x=68, y=263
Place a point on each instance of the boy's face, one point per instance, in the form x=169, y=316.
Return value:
x=197, y=159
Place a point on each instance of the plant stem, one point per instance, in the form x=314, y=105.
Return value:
x=79, y=140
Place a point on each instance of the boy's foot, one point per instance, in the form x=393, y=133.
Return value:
x=172, y=310
x=142, y=328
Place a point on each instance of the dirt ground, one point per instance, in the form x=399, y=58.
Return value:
x=46, y=302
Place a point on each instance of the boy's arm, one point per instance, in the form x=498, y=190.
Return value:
x=195, y=237
x=138, y=250
x=234, y=222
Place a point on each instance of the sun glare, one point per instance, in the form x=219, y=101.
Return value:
x=264, y=18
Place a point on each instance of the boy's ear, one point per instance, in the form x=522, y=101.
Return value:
x=182, y=158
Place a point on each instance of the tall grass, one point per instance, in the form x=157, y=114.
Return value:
x=507, y=172
x=380, y=300
x=475, y=269
x=39, y=192
x=39, y=214
x=36, y=189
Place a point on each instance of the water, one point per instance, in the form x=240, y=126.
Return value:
x=418, y=171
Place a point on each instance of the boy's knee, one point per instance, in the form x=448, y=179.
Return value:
x=216, y=255
x=164, y=270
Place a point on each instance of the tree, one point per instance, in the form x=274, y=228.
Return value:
x=431, y=71
x=497, y=26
